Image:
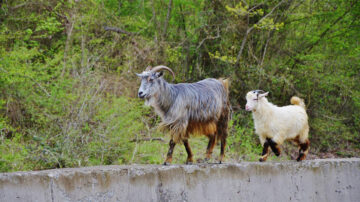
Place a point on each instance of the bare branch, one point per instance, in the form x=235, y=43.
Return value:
x=43, y=5
x=243, y=45
x=69, y=29
x=20, y=5
x=147, y=139
x=208, y=38
x=250, y=29
x=256, y=6
x=155, y=21
x=250, y=50
x=118, y=30
x=333, y=118
x=265, y=48
x=167, y=19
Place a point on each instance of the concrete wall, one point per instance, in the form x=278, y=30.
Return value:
x=317, y=180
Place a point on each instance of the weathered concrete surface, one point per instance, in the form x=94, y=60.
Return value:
x=316, y=180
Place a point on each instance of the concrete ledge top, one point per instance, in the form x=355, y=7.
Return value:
x=149, y=168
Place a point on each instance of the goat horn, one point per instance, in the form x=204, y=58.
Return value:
x=162, y=67
x=148, y=68
x=259, y=91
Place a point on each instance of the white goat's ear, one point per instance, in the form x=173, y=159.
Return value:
x=139, y=75
x=263, y=94
x=159, y=74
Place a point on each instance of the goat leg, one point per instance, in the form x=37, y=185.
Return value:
x=170, y=152
x=303, y=151
x=210, y=147
x=265, y=152
x=222, y=149
x=189, y=159
x=274, y=146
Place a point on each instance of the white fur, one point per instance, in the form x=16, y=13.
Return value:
x=277, y=123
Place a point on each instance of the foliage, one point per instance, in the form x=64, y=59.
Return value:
x=68, y=88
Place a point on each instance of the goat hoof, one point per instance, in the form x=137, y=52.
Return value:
x=189, y=163
x=300, y=158
x=206, y=159
x=277, y=154
x=220, y=162
x=261, y=160
x=166, y=163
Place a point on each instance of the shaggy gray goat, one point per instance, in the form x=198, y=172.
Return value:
x=188, y=109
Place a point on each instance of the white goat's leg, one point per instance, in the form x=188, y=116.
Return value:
x=275, y=145
x=265, y=152
x=304, y=150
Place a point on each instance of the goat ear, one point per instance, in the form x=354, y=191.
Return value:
x=263, y=94
x=159, y=74
x=139, y=75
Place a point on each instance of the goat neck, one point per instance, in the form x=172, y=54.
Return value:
x=264, y=109
x=164, y=97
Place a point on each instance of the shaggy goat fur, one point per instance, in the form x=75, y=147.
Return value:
x=276, y=124
x=188, y=108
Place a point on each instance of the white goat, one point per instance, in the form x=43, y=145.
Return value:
x=276, y=124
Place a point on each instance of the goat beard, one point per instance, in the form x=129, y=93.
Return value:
x=149, y=101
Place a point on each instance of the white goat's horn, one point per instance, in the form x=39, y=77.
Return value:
x=162, y=67
x=148, y=68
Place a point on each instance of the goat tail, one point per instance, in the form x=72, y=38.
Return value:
x=297, y=101
x=222, y=125
x=225, y=83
